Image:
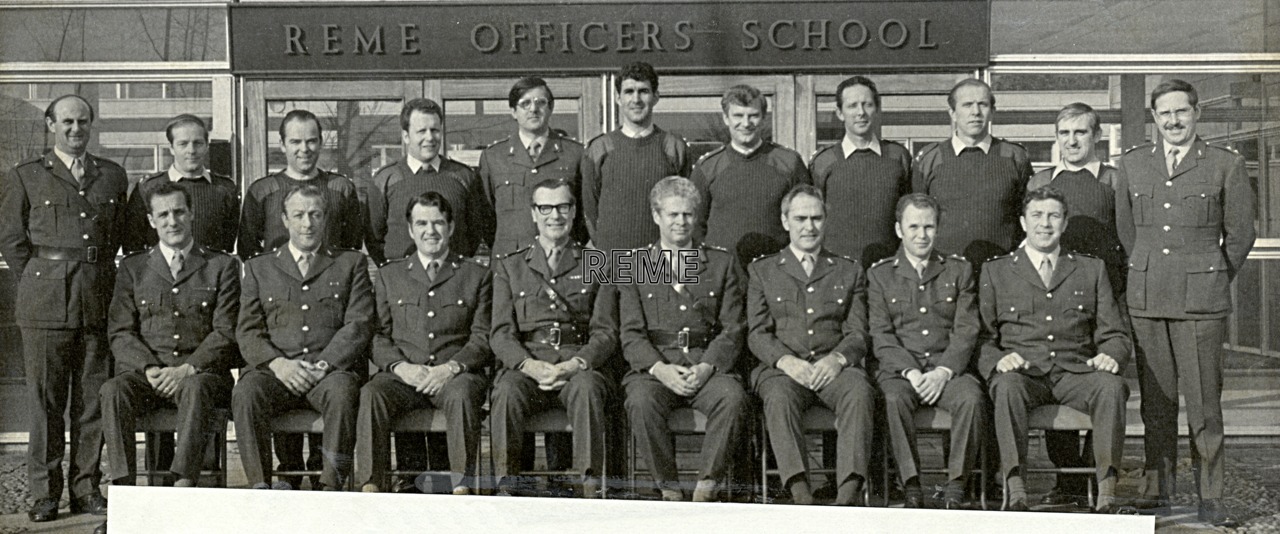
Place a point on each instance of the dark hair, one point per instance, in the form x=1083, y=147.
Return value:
x=165, y=189
x=49, y=111
x=920, y=201
x=309, y=191
x=638, y=71
x=552, y=183
x=745, y=96
x=856, y=80
x=425, y=106
x=525, y=85
x=430, y=199
x=300, y=115
x=1079, y=109
x=802, y=189
x=184, y=120
x=969, y=82
x=1175, y=85
x=1045, y=193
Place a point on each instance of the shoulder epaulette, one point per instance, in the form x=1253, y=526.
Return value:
x=596, y=138
x=520, y=250
x=931, y=147
x=33, y=159
x=713, y=247
x=846, y=258
x=713, y=152
x=498, y=142
x=821, y=150
x=265, y=253
x=882, y=261
x=763, y=256
x=1004, y=256
x=569, y=139
x=1137, y=147
x=136, y=253
x=961, y=258
x=1224, y=148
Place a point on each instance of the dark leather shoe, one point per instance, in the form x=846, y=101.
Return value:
x=913, y=499
x=93, y=503
x=1215, y=513
x=45, y=509
x=953, y=504
x=1115, y=509
x=1160, y=506
x=1018, y=506
x=100, y=529
x=1057, y=497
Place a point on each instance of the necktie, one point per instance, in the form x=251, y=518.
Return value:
x=535, y=148
x=304, y=263
x=77, y=170
x=175, y=266
x=920, y=269
x=553, y=259
x=433, y=268
x=807, y=263
x=1172, y=162
x=1046, y=271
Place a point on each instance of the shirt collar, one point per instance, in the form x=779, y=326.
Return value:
x=169, y=251
x=527, y=139
x=424, y=259
x=175, y=174
x=416, y=164
x=984, y=145
x=916, y=263
x=1037, y=257
x=630, y=131
x=547, y=246
x=297, y=254
x=800, y=255
x=1094, y=167
x=848, y=145
x=65, y=157
x=748, y=151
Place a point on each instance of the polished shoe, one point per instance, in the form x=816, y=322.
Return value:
x=954, y=504
x=93, y=503
x=1018, y=506
x=370, y=488
x=1058, y=497
x=184, y=483
x=705, y=491
x=45, y=509
x=674, y=495
x=461, y=490
x=1160, y=506
x=913, y=499
x=100, y=529
x=281, y=485
x=1115, y=509
x=261, y=486
x=1215, y=513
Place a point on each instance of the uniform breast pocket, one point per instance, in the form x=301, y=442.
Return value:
x=42, y=295
x=1201, y=205
x=199, y=301
x=530, y=304
x=51, y=211
x=455, y=314
x=148, y=306
x=510, y=195
x=333, y=304
x=1082, y=304
x=581, y=299
x=407, y=314
x=105, y=207
x=277, y=303
x=709, y=304
x=900, y=306
x=782, y=304
x=1143, y=202
x=1013, y=315
x=944, y=298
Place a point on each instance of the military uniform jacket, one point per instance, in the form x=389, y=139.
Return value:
x=213, y=224
x=41, y=205
x=395, y=186
x=1188, y=234
x=789, y=313
x=923, y=323
x=158, y=320
x=712, y=307
x=529, y=295
x=326, y=315
x=260, y=225
x=431, y=323
x=1063, y=325
x=509, y=174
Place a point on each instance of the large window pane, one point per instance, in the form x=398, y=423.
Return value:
x=113, y=34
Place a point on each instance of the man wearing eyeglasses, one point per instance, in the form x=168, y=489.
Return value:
x=510, y=167
x=555, y=334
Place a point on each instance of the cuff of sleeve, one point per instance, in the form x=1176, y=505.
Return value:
x=582, y=364
x=844, y=362
x=950, y=374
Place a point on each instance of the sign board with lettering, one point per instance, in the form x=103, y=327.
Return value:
x=581, y=37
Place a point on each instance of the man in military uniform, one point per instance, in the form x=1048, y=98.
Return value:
x=810, y=358
x=511, y=167
x=555, y=333
x=214, y=196
x=1052, y=334
x=976, y=178
x=624, y=164
x=681, y=336
x=306, y=318
x=1185, y=212
x=743, y=182
x=923, y=315
x=431, y=347
x=173, y=332
x=61, y=216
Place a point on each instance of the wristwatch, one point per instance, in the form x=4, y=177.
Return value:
x=456, y=367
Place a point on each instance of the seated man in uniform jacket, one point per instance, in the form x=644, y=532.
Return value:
x=1052, y=334
x=681, y=336
x=555, y=333
x=810, y=358
x=306, y=318
x=431, y=347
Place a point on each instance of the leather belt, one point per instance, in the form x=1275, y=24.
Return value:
x=683, y=340
x=565, y=334
x=80, y=254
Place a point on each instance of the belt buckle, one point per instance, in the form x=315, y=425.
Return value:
x=555, y=337
x=91, y=254
x=682, y=340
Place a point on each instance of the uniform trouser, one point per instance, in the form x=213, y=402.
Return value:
x=64, y=366
x=1186, y=353
x=130, y=395
x=648, y=403
x=1100, y=394
x=962, y=398
x=849, y=395
x=516, y=397
x=1066, y=449
x=386, y=396
x=259, y=396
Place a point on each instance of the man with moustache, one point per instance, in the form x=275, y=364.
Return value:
x=923, y=315
x=742, y=183
x=306, y=318
x=61, y=218
x=976, y=178
x=862, y=174
x=810, y=358
x=625, y=163
x=555, y=334
x=431, y=347
x=681, y=337
x=1052, y=334
x=1185, y=212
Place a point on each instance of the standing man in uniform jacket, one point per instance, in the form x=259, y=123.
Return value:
x=681, y=337
x=306, y=318
x=431, y=347
x=555, y=333
x=743, y=182
x=810, y=358
x=923, y=312
x=976, y=178
x=511, y=167
x=61, y=216
x=1185, y=212
x=214, y=196
x=863, y=174
x=623, y=165
x=425, y=169
x=1052, y=334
